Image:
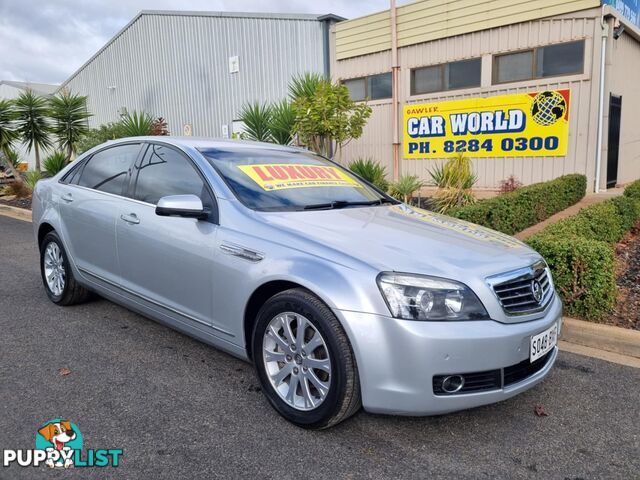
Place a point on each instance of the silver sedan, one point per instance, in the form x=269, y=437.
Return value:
x=341, y=296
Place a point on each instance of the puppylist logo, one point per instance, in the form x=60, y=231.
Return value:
x=59, y=445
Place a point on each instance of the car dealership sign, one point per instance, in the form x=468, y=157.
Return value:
x=518, y=125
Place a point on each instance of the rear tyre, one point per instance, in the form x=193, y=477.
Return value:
x=57, y=276
x=304, y=361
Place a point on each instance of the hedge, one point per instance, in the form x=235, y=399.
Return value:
x=513, y=212
x=583, y=272
x=581, y=254
x=633, y=190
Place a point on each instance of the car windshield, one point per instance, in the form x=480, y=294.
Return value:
x=279, y=180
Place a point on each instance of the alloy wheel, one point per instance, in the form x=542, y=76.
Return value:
x=54, y=269
x=297, y=361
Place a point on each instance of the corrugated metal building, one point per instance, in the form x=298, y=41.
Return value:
x=197, y=69
x=463, y=49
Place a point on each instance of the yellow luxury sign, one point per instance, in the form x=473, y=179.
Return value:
x=520, y=125
x=274, y=176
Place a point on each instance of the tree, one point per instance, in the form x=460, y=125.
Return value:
x=33, y=124
x=305, y=86
x=70, y=120
x=256, y=118
x=8, y=135
x=328, y=119
x=136, y=124
x=281, y=123
x=96, y=136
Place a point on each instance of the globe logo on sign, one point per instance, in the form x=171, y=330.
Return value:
x=548, y=107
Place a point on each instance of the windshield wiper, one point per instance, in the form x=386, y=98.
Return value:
x=343, y=203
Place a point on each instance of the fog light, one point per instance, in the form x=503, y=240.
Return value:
x=452, y=383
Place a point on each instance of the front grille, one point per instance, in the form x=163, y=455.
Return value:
x=493, y=379
x=517, y=295
x=524, y=369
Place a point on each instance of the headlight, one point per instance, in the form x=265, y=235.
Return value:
x=419, y=297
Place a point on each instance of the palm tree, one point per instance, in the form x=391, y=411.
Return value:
x=8, y=135
x=69, y=114
x=281, y=122
x=136, y=124
x=257, y=119
x=33, y=125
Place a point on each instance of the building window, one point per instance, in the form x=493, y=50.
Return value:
x=447, y=76
x=374, y=87
x=541, y=62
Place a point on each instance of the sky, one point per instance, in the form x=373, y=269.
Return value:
x=45, y=41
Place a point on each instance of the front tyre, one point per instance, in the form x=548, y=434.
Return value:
x=57, y=276
x=304, y=361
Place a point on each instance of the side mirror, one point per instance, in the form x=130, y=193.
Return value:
x=189, y=206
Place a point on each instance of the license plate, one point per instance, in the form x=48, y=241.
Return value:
x=543, y=342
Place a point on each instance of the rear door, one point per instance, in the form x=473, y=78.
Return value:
x=88, y=210
x=168, y=261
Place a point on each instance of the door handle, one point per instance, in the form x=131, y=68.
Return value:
x=67, y=197
x=132, y=218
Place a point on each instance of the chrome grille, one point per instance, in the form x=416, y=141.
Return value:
x=517, y=295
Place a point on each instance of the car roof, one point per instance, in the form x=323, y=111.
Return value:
x=204, y=143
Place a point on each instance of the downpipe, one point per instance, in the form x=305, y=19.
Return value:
x=603, y=55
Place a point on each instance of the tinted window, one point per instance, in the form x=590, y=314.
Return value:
x=563, y=59
x=464, y=74
x=379, y=86
x=107, y=170
x=448, y=76
x=273, y=180
x=549, y=61
x=425, y=80
x=514, y=67
x=164, y=171
x=373, y=87
x=357, y=89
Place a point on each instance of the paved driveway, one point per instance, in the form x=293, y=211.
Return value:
x=181, y=409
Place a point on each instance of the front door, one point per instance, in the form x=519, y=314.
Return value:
x=613, y=150
x=168, y=261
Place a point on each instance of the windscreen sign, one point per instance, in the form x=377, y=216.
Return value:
x=520, y=125
x=285, y=176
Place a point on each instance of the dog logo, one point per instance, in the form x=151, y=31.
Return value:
x=60, y=436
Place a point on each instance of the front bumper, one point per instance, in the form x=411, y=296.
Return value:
x=397, y=359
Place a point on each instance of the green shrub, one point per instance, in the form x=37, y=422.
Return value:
x=371, y=171
x=596, y=222
x=526, y=206
x=31, y=178
x=628, y=211
x=405, y=187
x=136, y=124
x=96, y=136
x=454, y=180
x=583, y=272
x=633, y=190
x=580, y=251
x=54, y=163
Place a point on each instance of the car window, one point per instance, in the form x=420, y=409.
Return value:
x=164, y=171
x=107, y=170
x=280, y=180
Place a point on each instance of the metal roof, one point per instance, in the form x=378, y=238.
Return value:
x=41, y=88
x=256, y=15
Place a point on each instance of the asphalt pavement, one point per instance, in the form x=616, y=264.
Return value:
x=181, y=409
